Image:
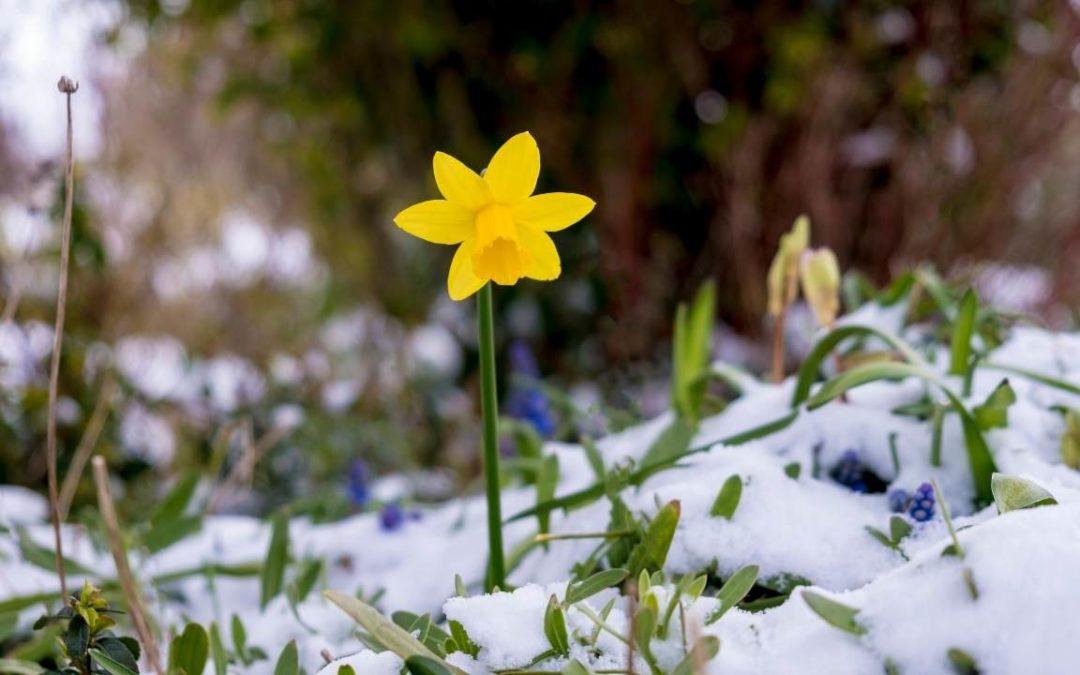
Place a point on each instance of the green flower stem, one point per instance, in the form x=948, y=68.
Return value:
x=489, y=408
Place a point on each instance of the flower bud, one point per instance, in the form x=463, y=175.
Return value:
x=820, y=276
x=785, y=266
x=66, y=85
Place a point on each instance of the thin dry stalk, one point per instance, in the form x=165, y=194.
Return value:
x=86, y=444
x=12, y=302
x=66, y=87
x=242, y=473
x=123, y=570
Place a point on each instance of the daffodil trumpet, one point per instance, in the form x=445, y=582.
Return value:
x=502, y=233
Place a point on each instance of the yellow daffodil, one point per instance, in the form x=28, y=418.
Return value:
x=500, y=225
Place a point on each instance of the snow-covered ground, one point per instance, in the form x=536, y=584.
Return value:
x=914, y=604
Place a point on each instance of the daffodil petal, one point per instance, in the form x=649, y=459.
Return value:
x=553, y=211
x=513, y=171
x=462, y=280
x=543, y=257
x=458, y=183
x=438, y=221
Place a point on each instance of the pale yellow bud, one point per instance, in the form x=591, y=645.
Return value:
x=820, y=276
x=785, y=266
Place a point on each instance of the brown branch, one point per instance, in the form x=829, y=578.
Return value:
x=123, y=570
x=86, y=444
x=66, y=87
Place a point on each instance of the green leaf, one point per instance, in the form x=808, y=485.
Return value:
x=109, y=664
x=176, y=502
x=167, y=533
x=811, y=366
x=383, y=630
x=835, y=613
x=980, y=461
x=962, y=663
x=594, y=584
x=703, y=651
x=189, y=650
x=555, y=627
x=45, y=558
x=422, y=665
x=546, y=481
x=273, y=571
x=963, y=329
x=1070, y=440
x=1035, y=376
x=575, y=668
x=346, y=670
x=461, y=639
x=733, y=591
x=691, y=343
x=288, y=662
x=727, y=500
x=217, y=651
x=644, y=629
x=119, y=653
x=898, y=528
x=305, y=579
x=19, y=667
x=793, y=470
x=994, y=412
x=672, y=443
x=1012, y=493
x=651, y=553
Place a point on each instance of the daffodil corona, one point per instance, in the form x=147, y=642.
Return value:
x=501, y=227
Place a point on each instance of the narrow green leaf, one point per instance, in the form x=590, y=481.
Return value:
x=1035, y=376
x=672, y=443
x=288, y=662
x=962, y=663
x=189, y=650
x=305, y=580
x=811, y=366
x=594, y=584
x=168, y=532
x=835, y=613
x=176, y=502
x=119, y=652
x=727, y=500
x=733, y=591
x=575, y=668
x=422, y=665
x=651, y=552
x=383, y=630
x=20, y=667
x=461, y=639
x=644, y=629
x=994, y=412
x=111, y=665
x=1070, y=440
x=217, y=651
x=546, y=481
x=273, y=571
x=703, y=651
x=1012, y=493
x=555, y=627
x=963, y=329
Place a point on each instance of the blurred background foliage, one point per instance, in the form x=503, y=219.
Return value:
x=923, y=131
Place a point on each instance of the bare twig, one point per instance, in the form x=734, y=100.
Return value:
x=66, y=87
x=243, y=471
x=86, y=444
x=123, y=570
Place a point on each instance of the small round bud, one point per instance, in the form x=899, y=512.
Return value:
x=66, y=85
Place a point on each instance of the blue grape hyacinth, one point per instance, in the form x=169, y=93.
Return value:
x=899, y=500
x=391, y=517
x=922, y=503
x=527, y=401
x=850, y=472
x=358, y=483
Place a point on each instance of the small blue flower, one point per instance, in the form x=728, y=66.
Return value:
x=526, y=401
x=391, y=517
x=922, y=503
x=899, y=500
x=358, y=483
x=850, y=472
